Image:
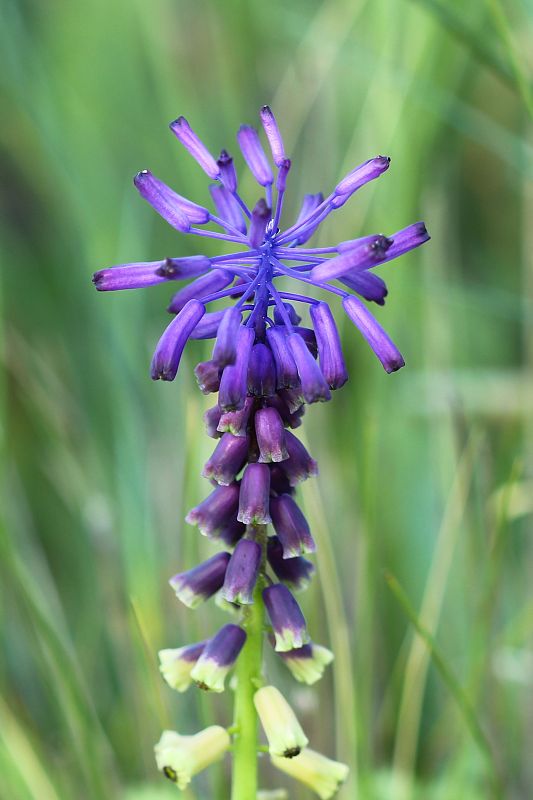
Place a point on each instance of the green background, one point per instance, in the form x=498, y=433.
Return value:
x=425, y=474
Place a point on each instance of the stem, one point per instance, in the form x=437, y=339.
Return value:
x=248, y=672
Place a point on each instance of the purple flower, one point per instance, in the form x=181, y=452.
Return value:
x=261, y=371
x=329, y=346
x=225, y=349
x=227, y=460
x=208, y=376
x=201, y=582
x=254, y=495
x=242, y=573
x=270, y=435
x=236, y=422
x=295, y=572
x=233, y=383
x=216, y=511
x=314, y=386
x=211, y=422
x=299, y=466
x=218, y=657
x=288, y=622
x=291, y=527
x=168, y=352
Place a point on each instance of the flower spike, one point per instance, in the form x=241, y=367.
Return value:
x=274, y=353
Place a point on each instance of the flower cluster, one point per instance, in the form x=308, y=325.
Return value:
x=265, y=368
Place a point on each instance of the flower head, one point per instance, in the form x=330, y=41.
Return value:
x=266, y=253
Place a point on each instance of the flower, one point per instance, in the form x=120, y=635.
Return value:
x=288, y=622
x=291, y=527
x=242, y=572
x=321, y=774
x=295, y=572
x=201, y=582
x=307, y=663
x=175, y=665
x=283, y=731
x=181, y=757
x=218, y=657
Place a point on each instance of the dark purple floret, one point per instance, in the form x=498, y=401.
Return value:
x=286, y=372
x=288, y=622
x=208, y=326
x=295, y=572
x=379, y=341
x=167, y=356
x=270, y=435
x=261, y=371
x=291, y=527
x=225, y=349
x=219, y=655
x=199, y=288
x=368, y=285
x=217, y=511
x=227, y=460
x=242, y=573
x=236, y=422
x=258, y=223
x=329, y=346
x=208, y=376
x=233, y=384
x=211, y=421
x=201, y=582
x=299, y=466
x=231, y=533
x=227, y=171
x=314, y=386
x=254, y=495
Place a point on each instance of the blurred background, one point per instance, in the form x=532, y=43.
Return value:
x=426, y=475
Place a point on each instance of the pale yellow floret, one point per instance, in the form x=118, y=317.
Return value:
x=321, y=774
x=282, y=729
x=310, y=670
x=182, y=757
x=175, y=670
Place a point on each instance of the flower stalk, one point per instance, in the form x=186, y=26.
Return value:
x=249, y=678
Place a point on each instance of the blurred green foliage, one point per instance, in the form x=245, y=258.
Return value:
x=425, y=473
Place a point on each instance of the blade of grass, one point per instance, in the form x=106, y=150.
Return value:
x=462, y=700
x=345, y=692
x=501, y=23
x=416, y=670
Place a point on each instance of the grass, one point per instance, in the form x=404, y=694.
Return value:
x=425, y=475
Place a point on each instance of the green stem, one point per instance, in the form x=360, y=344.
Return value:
x=248, y=673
